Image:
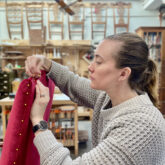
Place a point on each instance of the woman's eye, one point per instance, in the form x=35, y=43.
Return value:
x=98, y=62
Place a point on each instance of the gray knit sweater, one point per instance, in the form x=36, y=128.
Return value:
x=131, y=133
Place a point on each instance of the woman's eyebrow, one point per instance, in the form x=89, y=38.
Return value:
x=98, y=56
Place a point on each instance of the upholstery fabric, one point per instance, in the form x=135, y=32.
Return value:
x=18, y=145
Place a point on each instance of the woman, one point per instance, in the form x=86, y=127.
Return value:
x=127, y=128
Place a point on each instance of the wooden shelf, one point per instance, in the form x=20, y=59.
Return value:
x=13, y=58
x=67, y=142
x=48, y=44
x=86, y=112
x=142, y=32
x=22, y=68
x=55, y=58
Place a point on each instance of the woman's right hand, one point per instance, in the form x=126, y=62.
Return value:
x=34, y=64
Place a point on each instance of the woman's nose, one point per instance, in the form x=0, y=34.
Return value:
x=91, y=67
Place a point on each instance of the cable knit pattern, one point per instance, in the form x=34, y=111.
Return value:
x=131, y=133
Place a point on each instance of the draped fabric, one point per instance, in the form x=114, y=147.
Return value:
x=18, y=145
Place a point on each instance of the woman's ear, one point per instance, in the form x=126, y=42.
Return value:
x=125, y=73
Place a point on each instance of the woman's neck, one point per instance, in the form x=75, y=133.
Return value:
x=120, y=95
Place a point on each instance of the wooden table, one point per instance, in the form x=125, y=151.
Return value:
x=58, y=99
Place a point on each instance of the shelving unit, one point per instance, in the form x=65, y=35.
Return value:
x=68, y=50
x=155, y=38
x=63, y=121
x=5, y=83
x=85, y=112
x=26, y=50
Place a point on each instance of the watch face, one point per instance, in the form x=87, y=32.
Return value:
x=43, y=124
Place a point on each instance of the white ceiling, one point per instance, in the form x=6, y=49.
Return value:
x=113, y=0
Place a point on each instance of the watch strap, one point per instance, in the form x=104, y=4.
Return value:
x=42, y=125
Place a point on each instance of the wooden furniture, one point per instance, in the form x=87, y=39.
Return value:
x=76, y=21
x=34, y=16
x=55, y=19
x=6, y=83
x=58, y=100
x=61, y=122
x=155, y=38
x=121, y=15
x=14, y=18
x=161, y=13
x=71, y=52
x=85, y=112
x=98, y=18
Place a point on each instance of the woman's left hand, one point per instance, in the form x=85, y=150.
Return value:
x=40, y=103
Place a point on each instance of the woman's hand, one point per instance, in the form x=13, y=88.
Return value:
x=40, y=103
x=34, y=64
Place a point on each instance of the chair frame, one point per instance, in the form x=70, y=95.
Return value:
x=121, y=7
x=55, y=21
x=76, y=21
x=15, y=15
x=98, y=17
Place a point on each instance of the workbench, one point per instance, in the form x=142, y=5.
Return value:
x=58, y=99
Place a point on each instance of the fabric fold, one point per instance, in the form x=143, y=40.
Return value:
x=18, y=145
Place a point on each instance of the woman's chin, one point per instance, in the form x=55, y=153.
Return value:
x=93, y=86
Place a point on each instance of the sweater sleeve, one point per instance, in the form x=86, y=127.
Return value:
x=53, y=153
x=76, y=87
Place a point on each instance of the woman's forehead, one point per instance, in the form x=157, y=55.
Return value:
x=108, y=48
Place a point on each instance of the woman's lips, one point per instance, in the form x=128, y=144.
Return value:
x=91, y=77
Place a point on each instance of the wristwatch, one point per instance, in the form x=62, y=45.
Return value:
x=42, y=125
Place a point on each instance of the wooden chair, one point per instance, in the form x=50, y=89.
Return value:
x=34, y=16
x=55, y=19
x=77, y=20
x=98, y=17
x=121, y=15
x=14, y=18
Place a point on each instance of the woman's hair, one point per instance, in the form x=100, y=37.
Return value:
x=134, y=53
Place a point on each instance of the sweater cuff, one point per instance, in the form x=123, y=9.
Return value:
x=54, y=70
x=46, y=140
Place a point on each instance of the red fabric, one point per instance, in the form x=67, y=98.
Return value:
x=18, y=145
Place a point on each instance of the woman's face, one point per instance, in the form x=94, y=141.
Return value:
x=103, y=72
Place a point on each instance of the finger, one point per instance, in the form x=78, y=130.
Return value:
x=30, y=66
x=41, y=86
x=37, y=92
x=39, y=62
x=38, y=68
x=43, y=89
x=32, y=62
x=27, y=69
